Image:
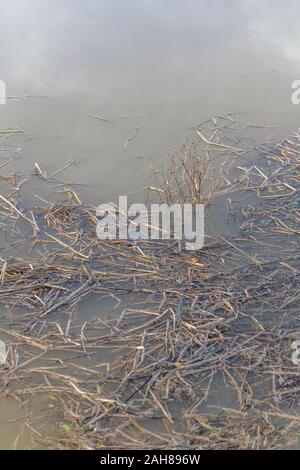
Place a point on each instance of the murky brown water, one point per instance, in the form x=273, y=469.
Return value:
x=160, y=66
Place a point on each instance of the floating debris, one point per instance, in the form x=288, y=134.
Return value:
x=129, y=139
x=196, y=350
x=100, y=118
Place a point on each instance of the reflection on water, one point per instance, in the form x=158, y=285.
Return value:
x=161, y=66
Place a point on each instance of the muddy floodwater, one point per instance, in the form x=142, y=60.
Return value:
x=116, y=86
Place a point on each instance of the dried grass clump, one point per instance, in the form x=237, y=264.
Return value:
x=191, y=177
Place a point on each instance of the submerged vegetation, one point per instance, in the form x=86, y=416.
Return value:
x=195, y=351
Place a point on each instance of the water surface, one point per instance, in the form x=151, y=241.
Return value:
x=159, y=66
